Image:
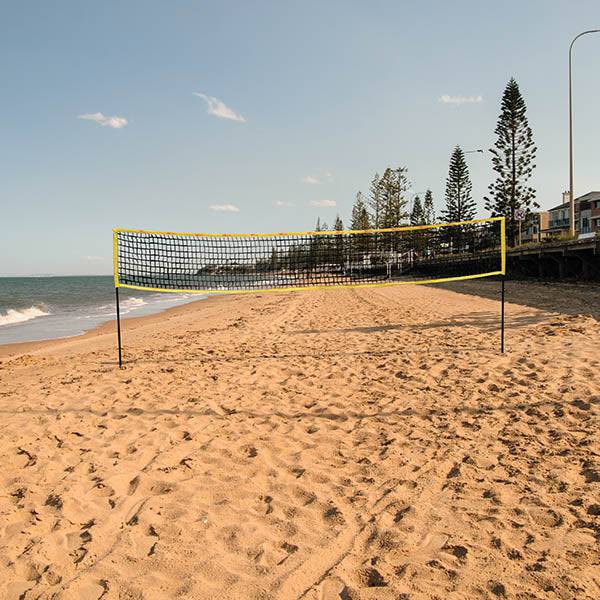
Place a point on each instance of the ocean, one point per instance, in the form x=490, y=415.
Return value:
x=42, y=308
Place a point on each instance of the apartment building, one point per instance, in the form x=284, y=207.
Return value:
x=587, y=216
x=534, y=227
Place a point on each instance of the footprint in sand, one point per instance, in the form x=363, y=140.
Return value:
x=371, y=577
x=55, y=501
x=133, y=485
x=249, y=450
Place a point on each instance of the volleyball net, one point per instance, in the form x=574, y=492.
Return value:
x=163, y=261
x=234, y=263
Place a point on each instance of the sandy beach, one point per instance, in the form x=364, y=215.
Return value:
x=342, y=444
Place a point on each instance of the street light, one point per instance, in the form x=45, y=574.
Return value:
x=571, y=194
x=472, y=151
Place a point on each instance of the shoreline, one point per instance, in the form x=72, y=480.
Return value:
x=15, y=349
x=574, y=305
x=533, y=295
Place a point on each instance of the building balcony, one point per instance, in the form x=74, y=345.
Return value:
x=558, y=223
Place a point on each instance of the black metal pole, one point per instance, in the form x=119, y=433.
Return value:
x=118, y=326
x=502, y=320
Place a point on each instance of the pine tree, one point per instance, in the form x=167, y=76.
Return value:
x=316, y=246
x=274, y=260
x=393, y=187
x=360, y=215
x=375, y=203
x=402, y=187
x=417, y=215
x=459, y=204
x=339, y=243
x=428, y=210
x=513, y=160
x=359, y=244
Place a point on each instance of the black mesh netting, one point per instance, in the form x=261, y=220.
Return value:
x=200, y=262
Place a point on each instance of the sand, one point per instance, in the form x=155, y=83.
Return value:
x=328, y=445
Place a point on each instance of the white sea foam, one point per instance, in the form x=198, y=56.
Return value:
x=13, y=315
x=132, y=304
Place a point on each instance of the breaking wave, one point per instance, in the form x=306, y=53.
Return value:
x=21, y=315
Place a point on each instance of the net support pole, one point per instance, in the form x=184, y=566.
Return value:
x=119, y=327
x=502, y=279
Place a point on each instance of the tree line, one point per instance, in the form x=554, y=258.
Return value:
x=513, y=160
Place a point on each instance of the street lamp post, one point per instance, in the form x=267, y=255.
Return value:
x=571, y=194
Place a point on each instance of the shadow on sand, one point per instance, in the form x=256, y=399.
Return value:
x=486, y=321
x=553, y=297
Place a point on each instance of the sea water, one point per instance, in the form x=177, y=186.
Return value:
x=41, y=308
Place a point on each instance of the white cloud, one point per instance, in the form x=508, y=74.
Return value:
x=327, y=177
x=458, y=100
x=113, y=122
x=282, y=203
x=219, y=109
x=224, y=208
x=322, y=203
x=311, y=180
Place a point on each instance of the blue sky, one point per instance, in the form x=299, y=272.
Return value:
x=308, y=100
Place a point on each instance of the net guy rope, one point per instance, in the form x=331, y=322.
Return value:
x=227, y=263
